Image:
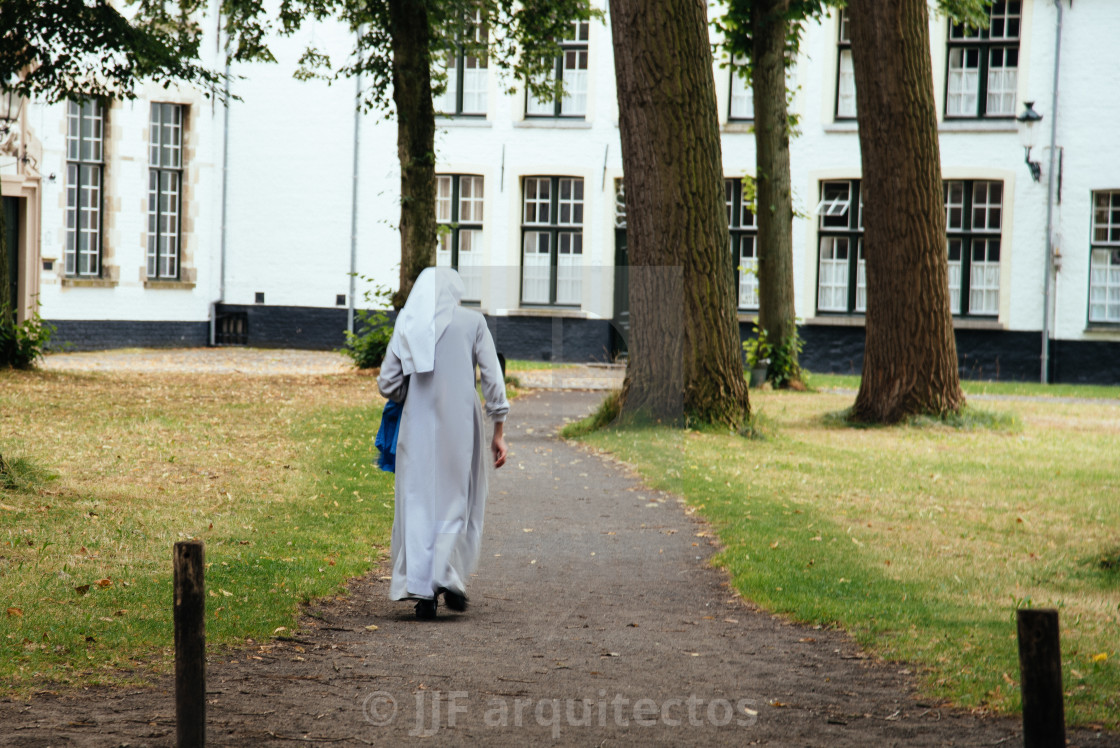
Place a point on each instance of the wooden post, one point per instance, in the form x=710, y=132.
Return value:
x=1040, y=677
x=190, y=644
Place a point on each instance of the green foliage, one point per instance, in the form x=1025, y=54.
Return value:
x=521, y=42
x=23, y=344
x=606, y=414
x=367, y=346
x=20, y=474
x=779, y=356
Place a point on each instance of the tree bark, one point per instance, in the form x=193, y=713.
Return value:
x=773, y=192
x=685, y=355
x=416, y=127
x=910, y=358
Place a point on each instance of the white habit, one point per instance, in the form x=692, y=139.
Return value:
x=442, y=450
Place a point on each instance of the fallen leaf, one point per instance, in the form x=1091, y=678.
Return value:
x=774, y=545
x=278, y=629
x=225, y=593
x=1099, y=657
x=806, y=640
x=15, y=612
x=371, y=628
x=82, y=589
x=526, y=529
x=730, y=620
x=103, y=583
x=778, y=704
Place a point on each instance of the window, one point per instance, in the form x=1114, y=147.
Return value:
x=552, y=240
x=840, y=260
x=1104, y=265
x=465, y=66
x=571, y=69
x=984, y=65
x=845, y=72
x=742, y=97
x=165, y=179
x=744, y=232
x=973, y=221
x=459, y=201
x=85, y=165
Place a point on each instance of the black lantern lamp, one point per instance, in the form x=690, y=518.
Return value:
x=10, y=105
x=1027, y=121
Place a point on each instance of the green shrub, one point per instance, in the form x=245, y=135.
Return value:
x=368, y=344
x=23, y=344
x=778, y=356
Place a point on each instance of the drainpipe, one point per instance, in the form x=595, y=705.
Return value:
x=225, y=203
x=354, y=195
x=1051, y=182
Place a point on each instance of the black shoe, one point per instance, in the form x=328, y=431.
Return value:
x=426, y=610
x=455, y=601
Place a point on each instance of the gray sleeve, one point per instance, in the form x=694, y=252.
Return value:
x=391, y=382
x=493, y=383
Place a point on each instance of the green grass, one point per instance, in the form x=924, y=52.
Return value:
x=920, y=540
x=274, y=476
x=977, y=387
x=515, y=364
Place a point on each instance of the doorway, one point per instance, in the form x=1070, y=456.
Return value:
x=11, y=225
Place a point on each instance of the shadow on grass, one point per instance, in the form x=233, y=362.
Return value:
x=967, y=419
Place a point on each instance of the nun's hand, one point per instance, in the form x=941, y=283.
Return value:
x=498, y=449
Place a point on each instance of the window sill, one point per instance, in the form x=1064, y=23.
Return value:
x=746, y=315
x=171, y=284
x=842, y=126
x=572, y=312
x=859, y=320
x=739, y=125
x=1102, y=328
x=555, y=123
x=88, y=283
x=978, y=125
x=465, y=120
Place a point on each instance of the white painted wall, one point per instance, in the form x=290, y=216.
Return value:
x=291, y=155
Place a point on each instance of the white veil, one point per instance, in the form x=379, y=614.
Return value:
x=425, y=317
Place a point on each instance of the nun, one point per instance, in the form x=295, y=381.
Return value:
x=441, y=455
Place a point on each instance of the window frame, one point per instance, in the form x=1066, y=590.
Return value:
x=851, y=230
x=553, y=228
x=455, y=225
x=574, y=45
x=984, y=44
x=738, y=230
x=843, y=44
x=481, y=36
x=76, y=188
x=158, y=266
x=736, y=63
x=1110, y=244
x=968, y=234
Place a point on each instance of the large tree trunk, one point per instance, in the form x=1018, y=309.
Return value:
x=416, y=128
x=685, y=355
x=910, y=359
x=774, y=213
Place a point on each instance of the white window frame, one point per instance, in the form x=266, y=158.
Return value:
x=982, y=65
x=841, y=281
x=845, y=70
x=740, y=96
x=460, y=201
x=466, y=68
x=973, y=243
x=1104, y=258
x=743, y=230
x=572, y=69
x=165, y=187
x=552, y=217
x=85, y=178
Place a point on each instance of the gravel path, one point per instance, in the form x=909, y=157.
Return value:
x=595, y=620
x=251, y=361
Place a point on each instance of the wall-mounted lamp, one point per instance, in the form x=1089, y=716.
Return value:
x=10, y=104
x=1027, y=121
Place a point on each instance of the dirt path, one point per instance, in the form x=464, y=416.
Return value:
x=595, y=620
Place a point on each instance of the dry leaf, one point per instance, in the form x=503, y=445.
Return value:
x=82, y=589
x=778, y=704
x=15, y=612
x=225, y=593
x=1099, y=657
x=103, y=583
x=278, y=629
x=371, y=628
x=526, y=529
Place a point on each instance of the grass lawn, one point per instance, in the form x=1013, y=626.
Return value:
x=273, y=474
x=920, y=541
x=978, y=387
x=517, y=364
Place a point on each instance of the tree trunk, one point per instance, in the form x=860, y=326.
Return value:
x=774, y=213
x=685, y=355
x=910, y=358
x=416, y=127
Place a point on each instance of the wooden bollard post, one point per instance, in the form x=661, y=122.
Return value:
x=1040, y=677
x=190, y=644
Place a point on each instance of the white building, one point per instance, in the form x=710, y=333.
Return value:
x=121, y=231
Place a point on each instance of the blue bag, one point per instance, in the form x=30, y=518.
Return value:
x=386, y=441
